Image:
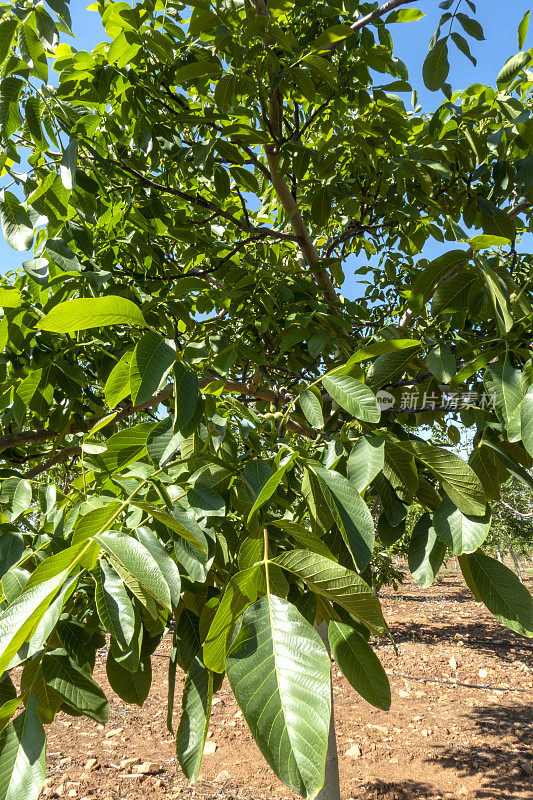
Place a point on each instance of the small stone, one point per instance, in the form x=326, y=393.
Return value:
x=114, y=732
x=127, y=762
x=483, y=673
x=453, y=663
x=91, y=763
x=209, y=748
x=238, y=714
x=403, y=693
x=354, y=752
x=527, y=767
x=223, y=776
x=72, y=793
x=146, y=768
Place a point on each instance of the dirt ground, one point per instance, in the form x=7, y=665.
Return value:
x=438, y=740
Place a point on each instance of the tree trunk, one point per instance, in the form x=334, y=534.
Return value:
x=515, y=560
x=331, y=788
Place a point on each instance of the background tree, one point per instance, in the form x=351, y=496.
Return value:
x=190, y=427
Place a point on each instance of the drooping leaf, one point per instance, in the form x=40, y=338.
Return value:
x=151, y=361
x=240, y=592
x=132, y=687
x=359, y=664
x=75, y=686
x=527, y=420
x=503, y=594
x=350, y=513
x=279, y=672
x=22, y=756
x=312, y=408
x=460, y=532
x=195, y=714
x=436, y=66
x=365, y=461
x=16, y=222
x=117, y=386
x=114, y=606
x=338, y=584
x=132, y=556
x=426, y=552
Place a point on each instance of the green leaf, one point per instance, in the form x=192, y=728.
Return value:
x=404, y=15
x=513, y=67
x=359, y=664
x=510, y=464
x=426, y=552
x=500, y=299
x=356, y=398
x=113, y=604
x=388, y=366
x=365, y=461
x=194, y=721
x=16, y=222
x=151, y=362
x=428, y=278
x=197, y=70
x=132, y=687
x=95, y=521
x=389, y=534
x=504, y=383
x=268, y=489
x=32, y=51
x=321, y=206
x=350, y=513
x=164, y=561
x=503, y=594
x=22, y=756
x=338, y=584
x=82, y=313
x=225, y=93
x=374, y=349
x=457, y=478
x=523, y=29
x=240, y=592
x=75, y=686
x=162, y=442
x=21, y=617
x=527, y=421
x=436, y=66
x=16, y=494
x=312, y=407
x=303, y=536
x=279, y=672
x=461, y=533
x=185, y=395
x=441, y=362
x=471, y=26
x=7, y=31
x=117, y=386
x=68, y=165
x=180, y=522
x=132, y=556
x=401, y=472
x=11, y=550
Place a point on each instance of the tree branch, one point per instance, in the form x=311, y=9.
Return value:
x=203, y=203
x=247, y=389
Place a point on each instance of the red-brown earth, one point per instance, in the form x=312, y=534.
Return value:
x=439, y=740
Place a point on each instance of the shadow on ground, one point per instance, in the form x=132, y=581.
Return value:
x=503, y=771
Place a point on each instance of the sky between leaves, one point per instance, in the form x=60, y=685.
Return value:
x=499, y=20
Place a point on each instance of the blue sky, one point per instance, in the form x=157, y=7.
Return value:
x=499, y=20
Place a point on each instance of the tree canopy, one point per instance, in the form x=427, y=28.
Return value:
x=199, y=432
